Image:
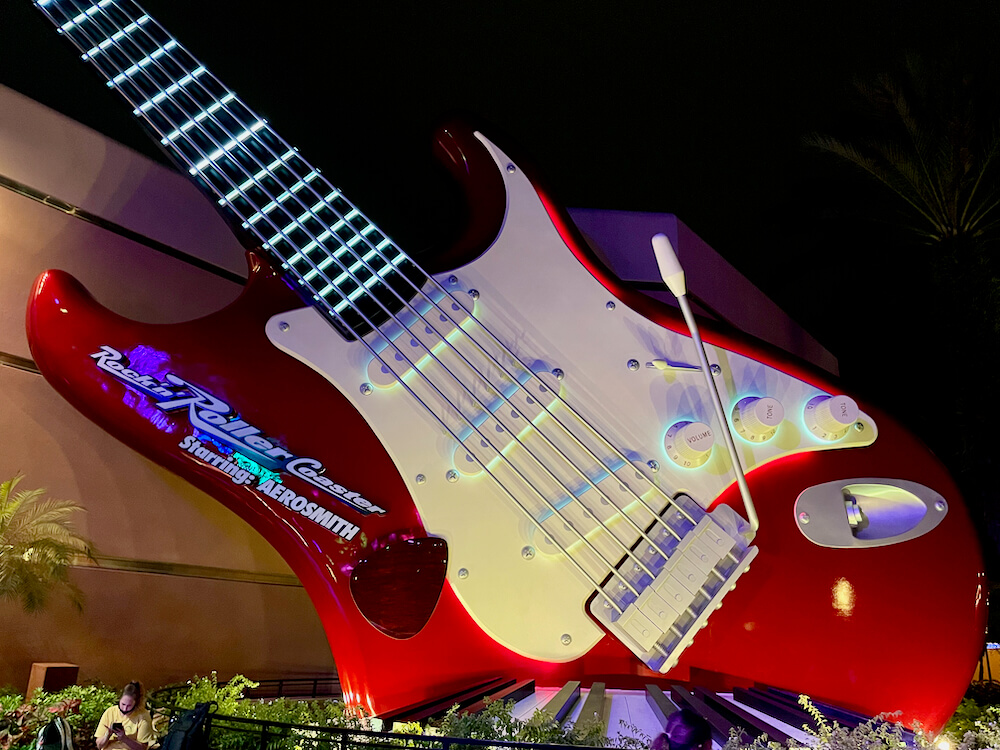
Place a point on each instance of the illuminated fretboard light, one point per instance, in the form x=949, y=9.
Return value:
x=173, y=135
x=226, y=148
x=136, y=67
x=114, y=38
x=318, y=239
x=169, y=91
x=77, y=20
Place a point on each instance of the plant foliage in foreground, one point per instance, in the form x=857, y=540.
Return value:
x=37, y=545
x=82, y=705
x=973, y=727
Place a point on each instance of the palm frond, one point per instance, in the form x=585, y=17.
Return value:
x=38, y=543
x=932, y=144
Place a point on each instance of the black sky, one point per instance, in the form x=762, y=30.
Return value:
x=693, y=108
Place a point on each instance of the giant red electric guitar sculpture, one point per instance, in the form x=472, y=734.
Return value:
x=470, y=467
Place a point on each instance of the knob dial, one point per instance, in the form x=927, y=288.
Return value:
x=829, y=417
x=689, y=444
x=757, y=418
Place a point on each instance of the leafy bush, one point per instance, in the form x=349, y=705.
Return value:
x=230, y=700
x=974, y=726
x=878, y=733
x=228, y=696
x=964, y=719
x=82, y=705
x=496, y=722
x=94, y=700
x=9, y=699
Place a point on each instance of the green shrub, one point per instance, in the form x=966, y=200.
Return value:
x=496, y=722
x=9, y=699
x=82, y=705
x=228, y=696
x=879, y=733
x=964, y=719
x=973, y=726
x=230, y=700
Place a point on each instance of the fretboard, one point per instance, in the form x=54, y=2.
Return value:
x=328, y=251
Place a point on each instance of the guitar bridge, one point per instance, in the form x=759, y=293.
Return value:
x=695, y=560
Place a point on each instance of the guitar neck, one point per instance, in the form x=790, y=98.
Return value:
x=337, y=259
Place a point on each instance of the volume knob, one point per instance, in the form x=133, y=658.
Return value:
x=829, y=417
x=757, y=418
x=689, y=444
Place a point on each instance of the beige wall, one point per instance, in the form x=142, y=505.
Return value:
x=184, y=585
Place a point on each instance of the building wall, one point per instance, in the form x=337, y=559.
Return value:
x=181, y=585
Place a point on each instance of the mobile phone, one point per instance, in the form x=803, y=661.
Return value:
x=117, y=727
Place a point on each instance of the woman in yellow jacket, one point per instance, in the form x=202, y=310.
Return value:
x=128, y=725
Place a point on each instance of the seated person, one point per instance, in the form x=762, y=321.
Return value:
x=128, y=725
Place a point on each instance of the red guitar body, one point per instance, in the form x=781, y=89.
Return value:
x=896, y=627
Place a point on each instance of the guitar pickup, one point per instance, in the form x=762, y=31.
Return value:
x=671, y=591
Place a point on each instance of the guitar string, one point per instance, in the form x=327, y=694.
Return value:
x=502, y=396
x=491, y=385
x=608, y=602
x=484, y=410
x=607, y=563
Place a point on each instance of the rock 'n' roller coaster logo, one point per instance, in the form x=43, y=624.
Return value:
x=217, y=422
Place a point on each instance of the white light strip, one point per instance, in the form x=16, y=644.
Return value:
x=173, y=88
x=199, y=118
x=343, y=304
x=311, y=212
x=261, y=175
x=85, y=15
x=116, y=37
x=224, y=150
x=135, y=68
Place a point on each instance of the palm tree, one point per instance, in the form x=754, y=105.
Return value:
x=932, y=138
x=928, y=137
x=37, y=546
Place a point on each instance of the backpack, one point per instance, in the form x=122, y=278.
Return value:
x=187, y=731
x=56, y=735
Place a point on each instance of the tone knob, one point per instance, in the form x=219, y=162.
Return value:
x=757, y=418
x=829, y=417
x=689, y=444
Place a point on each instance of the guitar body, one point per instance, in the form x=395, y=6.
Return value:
x=425, y=576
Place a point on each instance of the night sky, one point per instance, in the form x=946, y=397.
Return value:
x=694, y=107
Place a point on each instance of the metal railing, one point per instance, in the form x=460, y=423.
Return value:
x=283, y=687
x=297, y=687
x=236, y=733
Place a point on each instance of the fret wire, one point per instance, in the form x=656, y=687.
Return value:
x=137, y=67
x=115, y=37
x=225, y=149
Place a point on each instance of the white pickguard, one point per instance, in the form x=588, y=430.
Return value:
x=536, y=298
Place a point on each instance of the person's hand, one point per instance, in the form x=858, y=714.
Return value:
x=118, y=732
